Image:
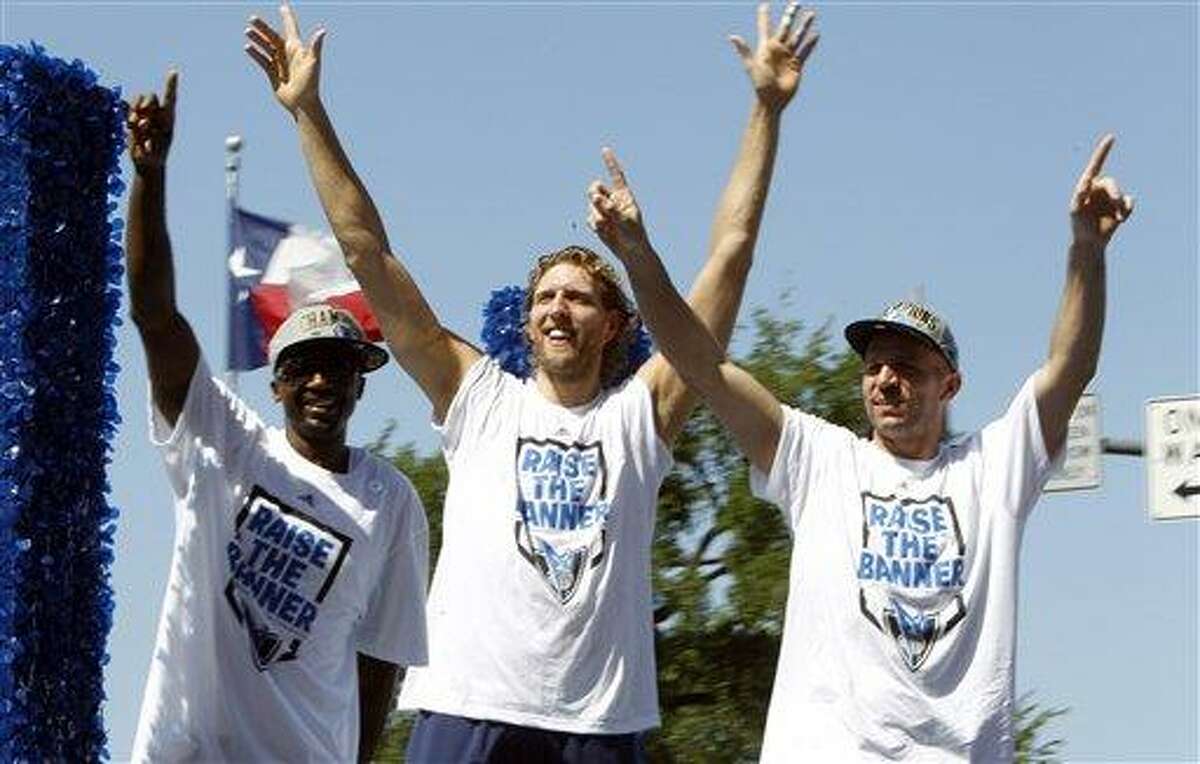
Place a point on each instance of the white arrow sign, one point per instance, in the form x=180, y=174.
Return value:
x=1173, y=457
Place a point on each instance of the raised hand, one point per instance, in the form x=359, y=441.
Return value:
x=614, y=215
x=776, y=65
x=1098, y=207
x=292, y=67
x=151, y=126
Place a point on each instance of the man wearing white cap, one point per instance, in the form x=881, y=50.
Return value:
x=900, y=633
x=297, y=583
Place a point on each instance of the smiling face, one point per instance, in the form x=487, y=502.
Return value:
x=906, y=387
x=568, y=326
x=319, y=384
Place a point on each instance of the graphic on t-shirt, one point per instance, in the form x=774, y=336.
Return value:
x=282, y=563
x=911, y=571
x=562, y=506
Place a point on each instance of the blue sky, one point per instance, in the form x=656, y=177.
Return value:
x=932, y=145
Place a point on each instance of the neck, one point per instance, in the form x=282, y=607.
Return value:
x=333, y=456
x=567, y=392
x=910, y=445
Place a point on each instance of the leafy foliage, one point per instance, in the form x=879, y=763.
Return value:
x=1030, y=721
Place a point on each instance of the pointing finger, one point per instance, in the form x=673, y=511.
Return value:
x=764, y=21
x=169, y=90
x=614, y=168
x=1096, y=163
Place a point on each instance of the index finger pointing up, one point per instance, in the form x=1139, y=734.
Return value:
x=614, y=168
x=1096, y=163
x=169, y=89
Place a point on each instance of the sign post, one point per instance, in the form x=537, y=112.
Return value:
x=1173, y=457
x=1081, y=468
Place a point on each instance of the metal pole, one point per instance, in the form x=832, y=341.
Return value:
x=1121, y=446
x=233, y=163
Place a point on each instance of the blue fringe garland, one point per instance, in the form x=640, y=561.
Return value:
x=61, y=136
x=503, y=335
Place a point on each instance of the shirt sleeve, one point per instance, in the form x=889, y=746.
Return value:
x=215, y=429
x=1015, y=463
x=477, y=394
x=393, y=626
x=650, y=455
x=791, y=469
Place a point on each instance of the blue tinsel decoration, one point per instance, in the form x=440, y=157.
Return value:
x=61, y=135
x=503, y=335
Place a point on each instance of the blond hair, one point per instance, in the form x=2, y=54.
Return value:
x=612, y=297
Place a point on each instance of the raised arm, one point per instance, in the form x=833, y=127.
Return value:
x=433, y=356
x=1097, y=209
x=775, y=67
x=170, y=345
x=743, y=405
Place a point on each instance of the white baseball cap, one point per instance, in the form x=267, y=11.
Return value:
x=324, y=322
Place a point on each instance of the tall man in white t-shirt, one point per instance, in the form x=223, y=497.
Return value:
x=298, y=576
x=900, y=632
x=541, y=626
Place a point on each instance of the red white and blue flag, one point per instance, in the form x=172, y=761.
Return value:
x=275, y=267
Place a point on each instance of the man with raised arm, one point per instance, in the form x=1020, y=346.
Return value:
x=298, y=575
x=541, y=625
x=900, y=633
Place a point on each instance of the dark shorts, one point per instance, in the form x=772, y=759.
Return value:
x=446, y=739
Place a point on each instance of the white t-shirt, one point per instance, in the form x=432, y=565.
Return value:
x=900, y=632
x=282, y=571
x=540, y=611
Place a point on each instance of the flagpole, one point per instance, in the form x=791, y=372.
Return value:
x=233, y=163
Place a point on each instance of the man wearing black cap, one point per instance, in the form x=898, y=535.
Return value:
x=298, y=575
x=900, y=632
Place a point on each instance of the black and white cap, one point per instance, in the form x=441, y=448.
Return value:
x=324, y=322
x=911, y=318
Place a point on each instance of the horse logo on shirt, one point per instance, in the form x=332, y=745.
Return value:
x=562, y=507
x=911, y=572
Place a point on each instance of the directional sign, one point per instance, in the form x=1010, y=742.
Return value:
x=1081, y=467
x=1173, y=457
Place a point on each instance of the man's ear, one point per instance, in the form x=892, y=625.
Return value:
x=951, y=385
x=275, y=391
x=614, y=325
x=362, y=385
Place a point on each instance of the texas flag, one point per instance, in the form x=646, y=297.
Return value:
x=274, y=268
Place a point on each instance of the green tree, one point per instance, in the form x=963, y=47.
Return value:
x=720, y=561
x=1031, y=721
x=721, y=557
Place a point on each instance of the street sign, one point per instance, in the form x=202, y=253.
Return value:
x=1173, y=457
x=1081, y=467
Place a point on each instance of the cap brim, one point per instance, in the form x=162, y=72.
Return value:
x=373, y=356
x=859, y=335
